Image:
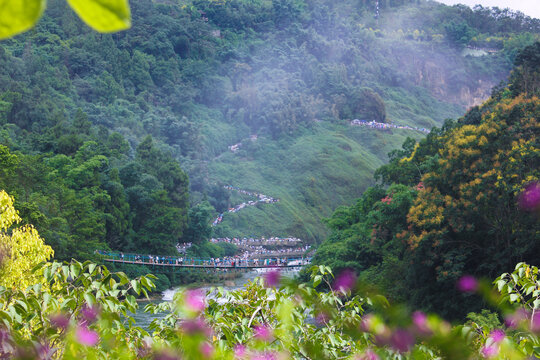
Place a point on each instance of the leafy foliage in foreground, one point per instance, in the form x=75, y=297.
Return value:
x=83, y=311
x=18, y=16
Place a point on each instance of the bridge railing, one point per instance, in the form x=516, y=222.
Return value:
x=194, y=262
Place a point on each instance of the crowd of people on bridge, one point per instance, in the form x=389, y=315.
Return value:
x=274, y=241
x=261, y=198
x=384, y=126
x=243, y=260
x=257, y=250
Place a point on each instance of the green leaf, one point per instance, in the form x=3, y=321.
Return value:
x=91, y=268
x=90, y=299
x=17, y=16
x=136, y=286
x=103, y=15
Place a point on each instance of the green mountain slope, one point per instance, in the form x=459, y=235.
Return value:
x=311, y=173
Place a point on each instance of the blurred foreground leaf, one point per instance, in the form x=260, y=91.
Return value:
x=103, y=15
x=17, y=16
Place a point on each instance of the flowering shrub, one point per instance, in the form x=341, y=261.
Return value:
x=85, y=313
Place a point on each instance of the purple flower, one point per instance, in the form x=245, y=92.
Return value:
x=272, y=278
x=194, y=300
x=59, y=321
x=89, y=314
x=166, y=356
x=239, y=351
x=401, y=340
x=467, y=283
x=535, y=323
x=419, y=320
x=489, y=351
x=263, y=333
x=322, y=318
x=513, y=320
x=86, y=336
x=497, y=335
x=529, y=199
x=345, y=281
x=43, y=351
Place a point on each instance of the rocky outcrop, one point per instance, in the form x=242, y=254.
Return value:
x=438, y=80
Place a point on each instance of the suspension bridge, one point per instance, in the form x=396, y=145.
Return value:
x=227, y=264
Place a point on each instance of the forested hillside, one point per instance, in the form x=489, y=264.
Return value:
x=77, y=109
x=456, y=203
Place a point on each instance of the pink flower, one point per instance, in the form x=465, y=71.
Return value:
x=272, y=278
x=89, y=314
x=345, y=281
x=529, y=199
x=322, y=318
x=419, y=320
x=239, y=350
x=195, y=326
x=387, y=199
x=59, y=321
x=489, y=351
x=535, y=323
x=497, y=335
x=44, y=351
x=467, y=283
x=263, y=333
x=207, y=350
x=367, y=323
x=195, y=300
x=514, y=320
x=401, y=340
x=368, y=355
x=86, y=336
x=264, y=356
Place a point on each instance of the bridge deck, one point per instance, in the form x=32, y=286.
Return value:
x=204, y=266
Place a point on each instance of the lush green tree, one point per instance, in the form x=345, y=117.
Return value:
x=199, y=224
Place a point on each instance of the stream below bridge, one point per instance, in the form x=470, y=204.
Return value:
x=144, y=319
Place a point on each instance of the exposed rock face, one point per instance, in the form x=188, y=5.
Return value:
x=437, y=80
x=475, y=94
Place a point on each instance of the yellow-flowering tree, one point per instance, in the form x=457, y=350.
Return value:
x=21, y=248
